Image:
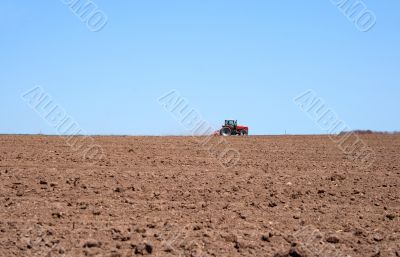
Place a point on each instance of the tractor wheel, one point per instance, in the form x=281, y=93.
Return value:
x=243, y=132
x=225, y=132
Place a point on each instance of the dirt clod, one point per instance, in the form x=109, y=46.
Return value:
x=295, y=252
x=266, y=238
x=391, y=216
x=332, y=239
x=91, y=243
x=142, y=249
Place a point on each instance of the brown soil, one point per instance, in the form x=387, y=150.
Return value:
x=167, y=196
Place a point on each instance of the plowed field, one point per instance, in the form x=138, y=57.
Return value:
x=168, y=196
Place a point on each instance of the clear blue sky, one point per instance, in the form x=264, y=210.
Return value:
x=231, y=59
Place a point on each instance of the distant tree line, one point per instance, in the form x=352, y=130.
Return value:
x=366, y=132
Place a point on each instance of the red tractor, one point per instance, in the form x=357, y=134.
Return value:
x=232, y=128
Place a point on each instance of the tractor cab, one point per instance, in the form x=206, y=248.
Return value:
x=231, y=123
